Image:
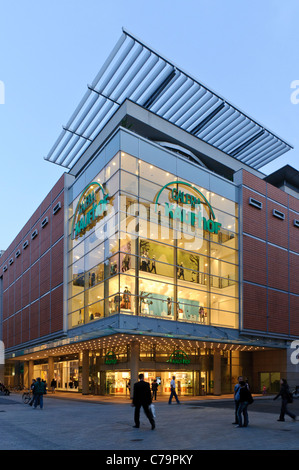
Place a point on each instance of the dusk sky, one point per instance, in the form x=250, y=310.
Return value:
x=247, y=52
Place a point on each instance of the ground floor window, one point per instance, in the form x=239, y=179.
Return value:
x=119, y=383
x=269, y=382
x=66, y=374
x=41, y=370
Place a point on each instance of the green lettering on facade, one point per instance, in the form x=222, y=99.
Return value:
x=89, y=210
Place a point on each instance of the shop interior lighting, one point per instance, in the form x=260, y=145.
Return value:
x=148, y=344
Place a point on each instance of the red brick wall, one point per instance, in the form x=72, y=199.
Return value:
x=270, y=259
x=32, y=302
x=255, y=307
x=254, y=260
x=254, y=220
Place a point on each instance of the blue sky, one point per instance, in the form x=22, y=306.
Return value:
x=49, y=51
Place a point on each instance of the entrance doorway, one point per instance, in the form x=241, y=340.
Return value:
x=184, y=381
x=118, y=383
x=271, y=381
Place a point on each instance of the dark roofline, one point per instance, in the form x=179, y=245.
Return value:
x=285, y=175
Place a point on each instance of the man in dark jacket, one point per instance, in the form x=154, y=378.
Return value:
x=244, y=401
x=39, y=389
x=142, y=398
x=286, y=398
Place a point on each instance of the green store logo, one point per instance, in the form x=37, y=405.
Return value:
x=179, y=357
x=195, y=201
x=91, y=207
x=110, y=358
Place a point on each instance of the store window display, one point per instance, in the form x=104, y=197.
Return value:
x=146, y=262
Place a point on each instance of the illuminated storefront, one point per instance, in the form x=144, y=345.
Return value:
x=157, y=263
x=161, y=250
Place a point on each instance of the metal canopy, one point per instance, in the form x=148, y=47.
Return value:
x=136, y=72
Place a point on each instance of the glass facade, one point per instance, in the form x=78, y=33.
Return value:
x=144, y=242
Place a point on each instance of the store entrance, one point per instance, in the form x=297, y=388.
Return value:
x=118, y=383
x=184, y=383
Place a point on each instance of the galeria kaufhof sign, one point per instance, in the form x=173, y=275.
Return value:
x=91, y=208
x=185, y=203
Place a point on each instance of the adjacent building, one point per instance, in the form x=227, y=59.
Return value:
x=162, y=249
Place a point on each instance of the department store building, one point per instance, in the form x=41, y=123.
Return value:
x=162, y=249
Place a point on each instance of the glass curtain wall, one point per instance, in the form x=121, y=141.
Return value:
x=148, y=256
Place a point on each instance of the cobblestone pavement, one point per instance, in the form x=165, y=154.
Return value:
x=100, y=423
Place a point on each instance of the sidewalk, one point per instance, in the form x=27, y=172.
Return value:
x=126, y=399
x=70, y=422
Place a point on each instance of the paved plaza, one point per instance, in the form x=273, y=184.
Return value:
x=99, y=423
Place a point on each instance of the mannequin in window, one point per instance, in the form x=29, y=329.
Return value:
x=180, y=272
x=143, y=262
x=113, y=268
x=126, y=263
x=147, y=261
x=145, y=306
x=202, y=315
x=153, y=267
x=169, y=302
x=127, y=298
x=117, y=301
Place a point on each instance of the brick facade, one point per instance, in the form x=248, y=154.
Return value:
x=270, y=258
x=32, y=282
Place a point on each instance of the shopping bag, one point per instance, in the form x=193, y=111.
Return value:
x=153, y=410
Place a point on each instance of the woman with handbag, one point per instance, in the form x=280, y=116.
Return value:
x=286, y=397
x=245, y=399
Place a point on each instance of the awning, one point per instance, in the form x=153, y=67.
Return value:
x=136, y=72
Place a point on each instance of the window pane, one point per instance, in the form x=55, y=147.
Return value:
x=193, y=262
x=76, y=318
x=223, y=318
x=76, y=303
x=222, y=269
x=112, y=167
x=94, y=257
x=224, y=204
x=157, y=290
x=221, y=302
x=224, y=253
x=112, y=185
x=148, y=190
x=114, y=288
x=129, y=183
x=158, y=251
x=94, y=276
x=152, y=173
x=96, y=310
x=129, y=163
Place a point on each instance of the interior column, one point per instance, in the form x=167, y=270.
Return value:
x=134, y=364
x=85, y=372
x=50, y=371
x=217, y=372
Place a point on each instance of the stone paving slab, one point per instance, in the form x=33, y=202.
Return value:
x=69, y=424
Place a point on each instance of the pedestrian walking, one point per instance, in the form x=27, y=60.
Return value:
x=286, y=398
x=173, y=392
x=142, y=398
x=53, y=385
x=237, y=398
x=244, y=400
x=39, y=390
x=32, y=391
x=154, y=389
